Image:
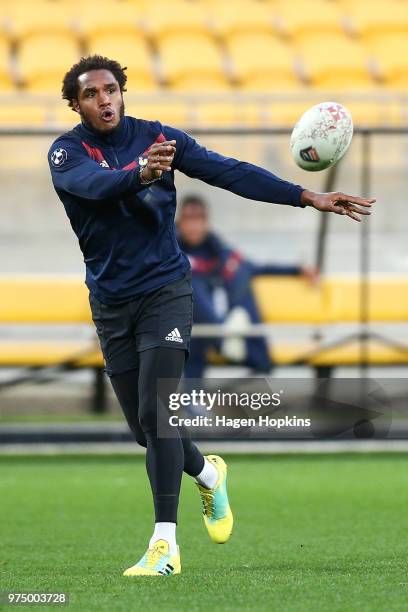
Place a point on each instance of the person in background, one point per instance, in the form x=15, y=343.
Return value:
x=222, y=291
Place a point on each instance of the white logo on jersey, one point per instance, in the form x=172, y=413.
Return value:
x=174, y=336
x=58, y=157
x=104, y=164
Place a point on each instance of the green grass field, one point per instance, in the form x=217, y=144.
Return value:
x=312, y=533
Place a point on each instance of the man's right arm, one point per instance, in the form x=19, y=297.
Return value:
x=72, y=170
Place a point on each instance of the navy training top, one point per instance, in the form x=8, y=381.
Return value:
x=126, y=230
x=215, y=262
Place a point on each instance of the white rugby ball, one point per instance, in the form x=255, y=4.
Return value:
x=321, y=136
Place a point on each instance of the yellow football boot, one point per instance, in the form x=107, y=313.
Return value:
x=216, y=509
x=156, y=561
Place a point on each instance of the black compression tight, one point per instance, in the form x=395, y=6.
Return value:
x=166, y=458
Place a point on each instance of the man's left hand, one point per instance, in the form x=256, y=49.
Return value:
x=339, y=203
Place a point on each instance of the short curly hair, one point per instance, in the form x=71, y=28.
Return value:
x=93, y=62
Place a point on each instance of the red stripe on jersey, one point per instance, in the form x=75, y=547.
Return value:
x=130, y=166
x=97, y=155
x=93, y=152
x=201, y=265
x=160, y=138
x=231, y=265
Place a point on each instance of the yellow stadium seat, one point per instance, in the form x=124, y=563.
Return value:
x=279, y=298
x=273, y=83
x=27, y=18
x=52, y=300
x=43, y=61
x=261, y=61
x=334, y=299
x=180, y=17
x=367, y=19
x=6, y=84
x=376, y=112
x=241, y=16
x=62, y=116
x=22, y=115
x=391, y=57
x=17, y=153
x=366, y=112
x=302, y=20
x=287, y=352
x=107, y=18
x=140, y=83
x=29, y=299
x=336, y=63
x=191, y=57
x=6, y=81
x=130, y=50
x=44, y=82
x=227, y=114
x=349, y=354
x=388, y=299
x=201, y=84
x=85, y=353
x=285, y=113
x=141, y=5
x=168, y=113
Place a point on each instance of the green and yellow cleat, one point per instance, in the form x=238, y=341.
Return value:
x=216, y=509
x=156, y=561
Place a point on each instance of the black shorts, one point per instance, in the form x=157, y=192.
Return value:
x=160, y=318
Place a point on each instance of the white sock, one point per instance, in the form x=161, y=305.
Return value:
x=167, y=532
x=208, y=476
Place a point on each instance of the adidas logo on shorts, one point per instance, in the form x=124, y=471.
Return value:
x=174, y=336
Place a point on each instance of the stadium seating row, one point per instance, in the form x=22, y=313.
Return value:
x=242, y=113
x=195, y=62
x=336, y=299
x=28, y=300
x=159, y=18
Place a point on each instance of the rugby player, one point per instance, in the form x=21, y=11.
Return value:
x=114, y=175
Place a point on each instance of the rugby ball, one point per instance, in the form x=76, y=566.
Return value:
x=321, y=136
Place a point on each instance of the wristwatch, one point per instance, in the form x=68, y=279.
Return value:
x=143, y=181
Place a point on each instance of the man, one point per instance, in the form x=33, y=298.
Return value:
x=222, y=290
x=115, y=178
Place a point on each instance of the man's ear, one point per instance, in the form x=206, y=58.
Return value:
x=75, y=106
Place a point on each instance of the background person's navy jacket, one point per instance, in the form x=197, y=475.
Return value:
x=215, y=262
x=125, y=229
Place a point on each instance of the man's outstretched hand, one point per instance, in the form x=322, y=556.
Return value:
x=339, y=203
x=159, y=159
